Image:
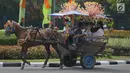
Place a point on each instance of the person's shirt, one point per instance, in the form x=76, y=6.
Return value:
x=64, y=29
x=78, y=31
x=100, y=32
x=86, y=32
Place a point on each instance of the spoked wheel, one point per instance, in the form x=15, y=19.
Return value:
x=70, y=61
x=87, y=61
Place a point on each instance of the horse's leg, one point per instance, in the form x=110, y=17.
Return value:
x=23, y=56
x=61, y=56
x=61, y=61
x=47, y=47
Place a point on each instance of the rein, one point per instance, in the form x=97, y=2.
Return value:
x=13, y=28
x=28, y=35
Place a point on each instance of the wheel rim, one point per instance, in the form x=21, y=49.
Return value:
x=89, y=61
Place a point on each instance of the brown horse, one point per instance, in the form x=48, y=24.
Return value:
x=29, y=37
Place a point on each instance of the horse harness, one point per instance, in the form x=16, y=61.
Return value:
x=31, y=34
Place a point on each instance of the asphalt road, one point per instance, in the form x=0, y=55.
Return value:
x=97, y=69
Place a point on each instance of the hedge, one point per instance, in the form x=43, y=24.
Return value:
x=13, y=52
x=118, y=33
x=120, y=46
x=4, y=40
x=119, y=43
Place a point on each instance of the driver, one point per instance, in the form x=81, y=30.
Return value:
x=78, y=34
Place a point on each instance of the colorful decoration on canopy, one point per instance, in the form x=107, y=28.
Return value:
x=70, y=1
x=69, y=6
x=22, y=11
x=93, y=8
x=93, y=11
x=46, y=11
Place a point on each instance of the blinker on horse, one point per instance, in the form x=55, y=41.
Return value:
x=29, y=37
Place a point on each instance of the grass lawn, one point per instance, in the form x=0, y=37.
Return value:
x=56, y=60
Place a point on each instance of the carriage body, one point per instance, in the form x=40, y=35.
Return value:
x=87, y=52
x=93, y=45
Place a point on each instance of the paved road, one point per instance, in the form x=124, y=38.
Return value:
x=97, y=69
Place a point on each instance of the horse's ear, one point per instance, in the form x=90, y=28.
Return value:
x=8, y=21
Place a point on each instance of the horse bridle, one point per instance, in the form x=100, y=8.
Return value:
x=12, y=29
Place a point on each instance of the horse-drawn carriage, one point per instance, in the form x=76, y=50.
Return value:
x=90, y=48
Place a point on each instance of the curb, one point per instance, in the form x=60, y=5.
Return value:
x=57, y=64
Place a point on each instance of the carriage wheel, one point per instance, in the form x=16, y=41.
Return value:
x=69, y=62
x=87, y=61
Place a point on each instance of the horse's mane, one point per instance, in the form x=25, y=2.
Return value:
x=18, y=25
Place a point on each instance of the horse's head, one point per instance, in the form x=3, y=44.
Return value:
x=9, y=28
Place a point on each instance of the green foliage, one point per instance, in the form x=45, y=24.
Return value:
x=118, y=34
x=4, y=40
x=120, y=46
x=108, y=52
x=13, y=52
x=119, y=43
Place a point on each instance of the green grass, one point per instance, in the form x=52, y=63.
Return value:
x=57, y=60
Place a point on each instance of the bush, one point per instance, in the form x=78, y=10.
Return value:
x=119, y=43
x=120, y=46
x=13, y=52
x=4, y=40
x=118, y=33
x=108, y=52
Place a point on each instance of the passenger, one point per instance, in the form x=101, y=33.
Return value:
x=87, y=27
x=78, y=34
x=100, y=31
x=97, y=31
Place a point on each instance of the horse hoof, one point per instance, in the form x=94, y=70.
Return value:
x=22, y=68
x=61, y=67
x=43, y=66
